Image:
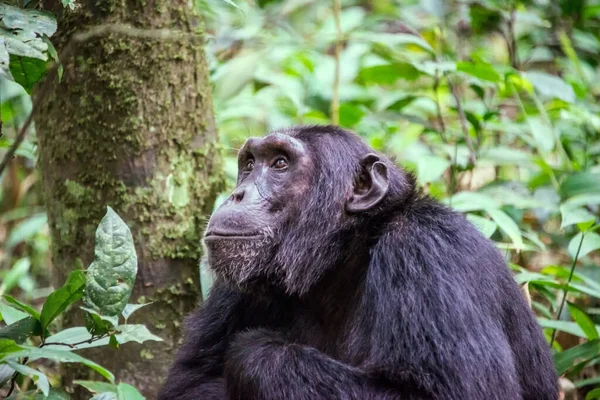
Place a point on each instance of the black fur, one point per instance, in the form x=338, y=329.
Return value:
x=405, y=301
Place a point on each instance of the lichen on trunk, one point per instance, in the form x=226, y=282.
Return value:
x=130, y=125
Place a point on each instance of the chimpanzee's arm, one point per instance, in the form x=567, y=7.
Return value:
x=260, y=364
x=197, y=372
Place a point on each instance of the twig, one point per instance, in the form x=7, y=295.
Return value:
x=436, y=85
x=67, y=53
x=511, y=40
x=564, y=298
x=335, y=97
x=72, y=345
x=463, y=120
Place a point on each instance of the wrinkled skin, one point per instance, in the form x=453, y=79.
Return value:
x=336, y=279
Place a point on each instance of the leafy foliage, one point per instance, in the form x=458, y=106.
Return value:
x=493, y=104
x=26, y=337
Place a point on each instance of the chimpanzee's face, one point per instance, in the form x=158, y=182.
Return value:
x=242, y=236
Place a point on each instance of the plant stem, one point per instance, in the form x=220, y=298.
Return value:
x=564, y=298
x=335, y=97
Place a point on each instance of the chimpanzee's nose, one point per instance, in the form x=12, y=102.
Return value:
x=238, y=194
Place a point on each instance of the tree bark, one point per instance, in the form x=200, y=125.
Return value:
x=130, y=125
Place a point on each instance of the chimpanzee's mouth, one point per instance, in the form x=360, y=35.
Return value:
x=218, y=234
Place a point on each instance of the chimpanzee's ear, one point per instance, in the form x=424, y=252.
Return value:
x=370, y=186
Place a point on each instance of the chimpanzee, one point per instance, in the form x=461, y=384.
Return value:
x=338, y=279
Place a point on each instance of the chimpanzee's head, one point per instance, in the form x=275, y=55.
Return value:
x=305, y=197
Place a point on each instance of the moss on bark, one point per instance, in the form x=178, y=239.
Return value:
x=130, y=125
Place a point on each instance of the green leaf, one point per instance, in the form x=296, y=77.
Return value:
x=564, y=326
x=131, y=308
x=507, y=225
x=105, y=396
x=542, y=134
x=126, y=333
x=127, y=392
x=550, y=86
x=35, y=353
x=27, y=71
x=430, y=168
x=41, y=381
x=27, y=229
x=593, y=394
x=97, y=324
x=10, y=314
x=8, y=346
x=29, y=20
x=591, y=242
x=19, y=270
x=60, y=299
x=22, y=306
x=389, y=74
x=54, y=55
x=586, y=351
x=584, y=321
x=112, y=274
x=97, y=387
x=350, y=115
x=471, y=201
x=393, y=40
x=582, y=183
x=21, y=330
x=485, y=226
x=479, y=70
x=571, y=216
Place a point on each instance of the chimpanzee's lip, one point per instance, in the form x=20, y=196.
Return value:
x=219, y=234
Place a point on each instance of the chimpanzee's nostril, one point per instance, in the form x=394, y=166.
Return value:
x=238, y=195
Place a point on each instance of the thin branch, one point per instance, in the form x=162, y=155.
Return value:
x=67, y=53
x=564, y=298
x=335, y=97
x=463, y=120
x=438, y=106
x=86, y=341
x=511, y=39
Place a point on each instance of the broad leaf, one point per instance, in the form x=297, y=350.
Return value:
x=591, y=242
x=481, y=71
x=35, y=353
x=27, y=71
x=584, y=321
x=571, y=216
x=112, y=273
x=586, y=351
x=21, y=330
x=97, y=387
x=13, y=276
x=550, y=86
x=126, y=333
x=22, y=306
x=131, y=308
x=10, y=314
x=484, y=225
x=41, y=381
x=60, y=299
x=582, y=183
x=506, y=224
x=8, y=346
x=127, y=392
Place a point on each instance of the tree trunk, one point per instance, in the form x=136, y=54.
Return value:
x=130, y=125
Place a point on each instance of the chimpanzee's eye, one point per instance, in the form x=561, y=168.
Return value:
x=249, y=165
x=280, y=163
